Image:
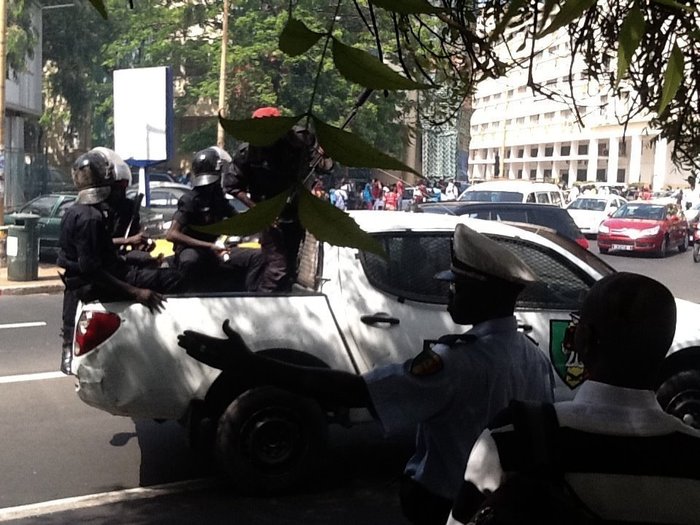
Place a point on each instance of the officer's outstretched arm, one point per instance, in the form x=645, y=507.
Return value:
x=232, y=353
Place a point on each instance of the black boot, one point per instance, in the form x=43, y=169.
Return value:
x=66, y=359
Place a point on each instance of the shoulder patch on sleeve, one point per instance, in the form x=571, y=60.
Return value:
x=426, y=363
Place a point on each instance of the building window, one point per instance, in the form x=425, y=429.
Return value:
x=548, y=151
x=510, y=93
x=600, y=175
x=581, y=174
x=583, y=149
x=520, y=174
x=533, y=152
x=621, y=175
x=623, y=148
x=603, y=149
x=521, y=153
x=547, y=174
x=520, y=120
x=533, y=174
x=549, y=116
x=506, y=154
x=565, y=150
x=534, y=119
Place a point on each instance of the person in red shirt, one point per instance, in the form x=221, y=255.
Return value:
x=391, y=199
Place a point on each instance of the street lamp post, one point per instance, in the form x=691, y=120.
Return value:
x=3, y=67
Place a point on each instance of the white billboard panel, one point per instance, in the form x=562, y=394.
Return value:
x=143, y=104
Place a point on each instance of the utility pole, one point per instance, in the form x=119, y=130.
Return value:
x=220, y=139
x=3, y=75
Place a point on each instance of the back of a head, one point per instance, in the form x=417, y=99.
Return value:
x=633, y=321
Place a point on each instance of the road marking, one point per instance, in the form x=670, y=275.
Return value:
x=104, y=498
x=39, y=376
x=22, y=325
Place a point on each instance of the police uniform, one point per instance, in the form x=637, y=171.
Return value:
x=203, y=206
x=263, y=173
x=625, y=458
x=454, y=389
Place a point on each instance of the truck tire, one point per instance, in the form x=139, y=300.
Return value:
x=679, y=395
x=270, y=440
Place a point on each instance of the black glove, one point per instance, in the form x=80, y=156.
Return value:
x=229, y=353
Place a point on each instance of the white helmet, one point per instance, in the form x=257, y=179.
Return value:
x=121, y=168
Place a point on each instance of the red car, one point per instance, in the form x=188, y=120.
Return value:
x=644, y=227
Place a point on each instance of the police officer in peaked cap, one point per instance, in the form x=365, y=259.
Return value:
x=449, y=392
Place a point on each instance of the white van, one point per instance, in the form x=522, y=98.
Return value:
x=514, y=191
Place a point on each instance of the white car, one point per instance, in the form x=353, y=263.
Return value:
x=507, y=190
x=589, y=211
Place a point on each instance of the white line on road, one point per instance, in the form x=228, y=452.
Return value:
x=104, y=498
x=39, y=376
x=22, y=325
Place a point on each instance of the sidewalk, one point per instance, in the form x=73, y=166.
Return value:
x=48, y=282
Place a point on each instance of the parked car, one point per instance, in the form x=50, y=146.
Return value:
x=514, y=191
x=51, y=207
x=164, y=197
x=589, y=212
x=547, y=215
x=644, y=227
x=152, y=177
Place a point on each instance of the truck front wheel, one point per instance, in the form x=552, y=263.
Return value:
x=270, y=440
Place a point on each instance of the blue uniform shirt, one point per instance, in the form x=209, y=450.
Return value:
x=453, y=403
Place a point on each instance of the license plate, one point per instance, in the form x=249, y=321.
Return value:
x=625, y=247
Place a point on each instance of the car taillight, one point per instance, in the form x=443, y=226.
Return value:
x=93, y=329
x=582, y=242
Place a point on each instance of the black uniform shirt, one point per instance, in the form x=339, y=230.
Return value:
x=86, y=242
x=123, y=215
x=200, y=208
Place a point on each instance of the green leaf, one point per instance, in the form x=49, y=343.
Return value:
x=259, y=131
x=568, y=12
x=352, y=151
x=252, y=221
x=100, y=6
x=672, y=78
x=296, y=38
x=631, y=35
x=512, y=10
x=675, y=5
x=330, y=224
x=407, y=7
x=362, y=68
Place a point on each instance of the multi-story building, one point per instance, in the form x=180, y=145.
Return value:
x=516, y=134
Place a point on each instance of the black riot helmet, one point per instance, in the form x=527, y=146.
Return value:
x=209, y=165
x=93, y=175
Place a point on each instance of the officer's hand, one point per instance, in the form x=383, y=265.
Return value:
x=136, y=240
x=218, y=250
x=228, y=353
x=150, y=299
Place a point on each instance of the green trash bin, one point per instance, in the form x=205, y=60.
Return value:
x=23, y=248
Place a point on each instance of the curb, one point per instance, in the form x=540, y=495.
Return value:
x=31, y=289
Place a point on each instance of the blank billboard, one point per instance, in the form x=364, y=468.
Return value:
x=143, y=114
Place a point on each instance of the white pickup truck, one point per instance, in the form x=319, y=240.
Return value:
x=350, y=310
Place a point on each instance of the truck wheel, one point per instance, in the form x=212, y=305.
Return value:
x=269, y=440
x=679, y=395
x=696, y=251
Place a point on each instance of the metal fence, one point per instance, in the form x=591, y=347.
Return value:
x=27, y=176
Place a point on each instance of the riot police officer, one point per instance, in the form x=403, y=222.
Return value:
x=449, y=392
x=93, y=268
x=206, y=265
x=260, y=173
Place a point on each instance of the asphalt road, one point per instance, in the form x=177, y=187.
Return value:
x=54, y=446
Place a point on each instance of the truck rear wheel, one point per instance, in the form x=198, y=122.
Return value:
x=269, y=440
x=679, y=395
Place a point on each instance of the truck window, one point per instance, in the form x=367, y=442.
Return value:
x=412, y=261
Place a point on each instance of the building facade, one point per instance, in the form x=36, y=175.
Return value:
x=516, y=134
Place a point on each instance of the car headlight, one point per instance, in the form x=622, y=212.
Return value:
x=649, y=231
x=603, y=228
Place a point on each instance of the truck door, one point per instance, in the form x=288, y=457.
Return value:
x=392, y=307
